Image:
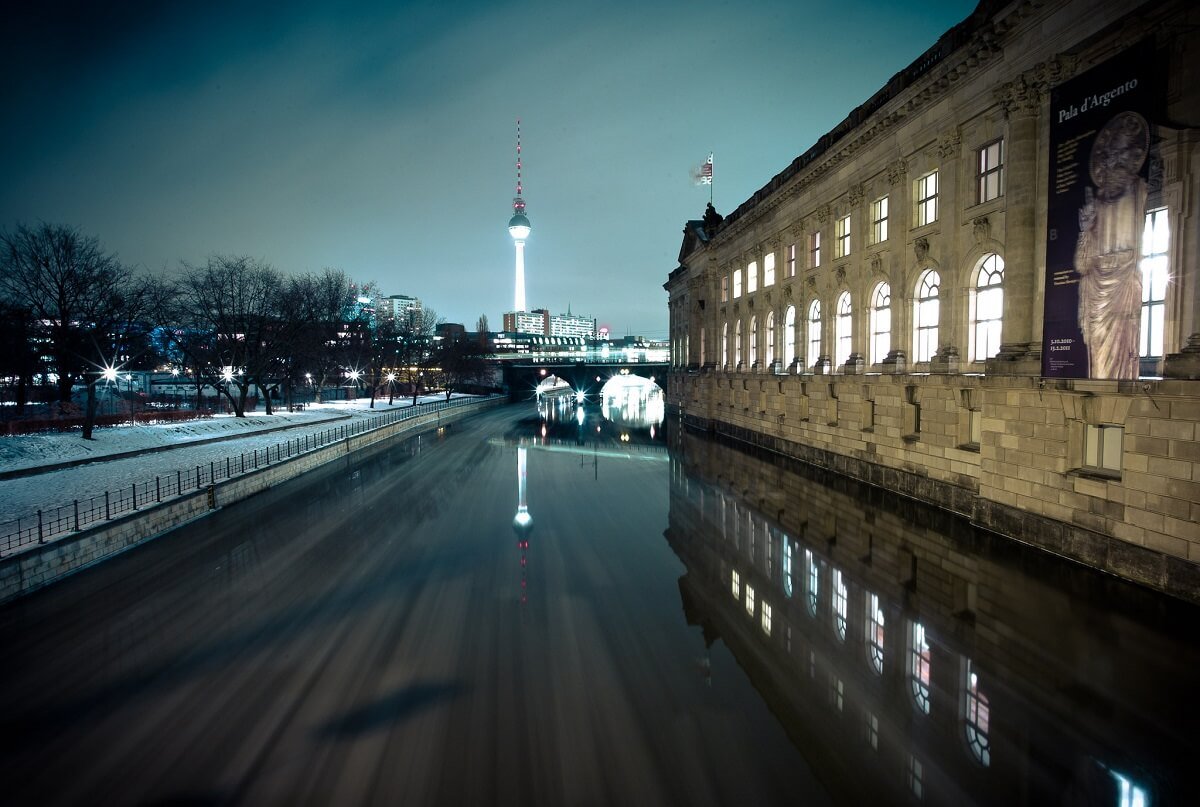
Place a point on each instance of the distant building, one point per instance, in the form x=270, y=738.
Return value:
x=541, y=321
x=397, y=306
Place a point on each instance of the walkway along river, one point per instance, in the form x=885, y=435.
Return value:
x=673, y=621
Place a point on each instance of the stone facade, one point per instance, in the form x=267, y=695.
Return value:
x=956, y=414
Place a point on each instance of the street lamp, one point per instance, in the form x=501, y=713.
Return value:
x=391, y=379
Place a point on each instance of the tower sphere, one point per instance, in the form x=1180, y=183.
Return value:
x=518, y=227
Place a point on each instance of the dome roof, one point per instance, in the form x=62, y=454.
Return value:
x=518, y=220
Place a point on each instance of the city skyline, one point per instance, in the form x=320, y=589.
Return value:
x=379, y=140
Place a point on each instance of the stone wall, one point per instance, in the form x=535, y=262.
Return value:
x=44, y=564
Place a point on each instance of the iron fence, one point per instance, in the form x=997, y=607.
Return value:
x=54, y=522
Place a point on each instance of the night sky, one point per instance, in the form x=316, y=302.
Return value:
x=379, y=137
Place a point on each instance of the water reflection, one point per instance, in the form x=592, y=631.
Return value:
x=523, y=521
x=907, y=653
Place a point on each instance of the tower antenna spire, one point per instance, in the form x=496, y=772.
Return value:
x=518, y=228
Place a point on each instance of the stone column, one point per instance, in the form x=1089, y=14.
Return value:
x=1185, y=254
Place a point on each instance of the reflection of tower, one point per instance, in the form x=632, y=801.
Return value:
x=522, y=521
x=518, y=228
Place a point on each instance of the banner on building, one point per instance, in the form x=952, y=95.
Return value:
x=1100, y=127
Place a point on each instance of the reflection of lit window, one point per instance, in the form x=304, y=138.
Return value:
x=787, y=566
x=875, y=632
x=1129, y=794
x=872, y=731
x=766, y=618
x=837, y=692
x=810, y=563
x=977, y=716
x=737, y=585
x=749, y=599
x=839, y=604
x=916, y=776
x=918, y=667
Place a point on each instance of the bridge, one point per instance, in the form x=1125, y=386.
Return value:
x=586, y=373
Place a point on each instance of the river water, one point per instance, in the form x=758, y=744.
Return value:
x=548, y=605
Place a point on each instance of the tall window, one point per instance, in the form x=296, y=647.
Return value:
x=839, y=604
x=737, y=343
x=976, y=717
x=769, y=269
x=750, y=599
x=725, y=344
x=791, y=261
x=991, y=171
x=987, y=302
x=843, y=328
x=875, y=633
x=1155, y=240
x=813, y=579
x=736, y=584
x=926, y=196
x=753, y=340
x=881, y=322
x=752, y=277
x=766, y=617
x=789, y=336
x=770, y=358
x=814, y=250
x=841, y=243
x=814, y=332
x=918, y=667
x=725, y=289
x=879, y=218
x=737, y=283
x=787, y=566
x=925, y=316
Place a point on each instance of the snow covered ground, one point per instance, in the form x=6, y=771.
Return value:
x=22, y=496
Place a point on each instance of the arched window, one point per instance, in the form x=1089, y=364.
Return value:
x=918, y=666
x=987, y=308
x=977, y=716
x=753, y=340
x=839, y=595
x=874, y=632
x=843, y=328
x=789, y=336
x=770, y=358
x=881, y=322
x=925, y=316
x=737, y=343
x=813, y=582
x=725, y=344
x=787, y=566
x=1155, y=240
x=814, y=333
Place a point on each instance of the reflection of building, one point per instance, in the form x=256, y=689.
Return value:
x=905, y=652
x=522, y=521
x=888, y=304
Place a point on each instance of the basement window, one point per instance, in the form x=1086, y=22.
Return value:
x=1102, y=449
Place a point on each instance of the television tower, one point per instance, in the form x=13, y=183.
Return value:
x=518, y=228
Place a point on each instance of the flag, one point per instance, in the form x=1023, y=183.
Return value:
x=702, y=175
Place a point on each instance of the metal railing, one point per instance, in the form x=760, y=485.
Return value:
x=54, y=522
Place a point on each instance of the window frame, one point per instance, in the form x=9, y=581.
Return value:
x=925, y=200
x=987, y=333
x=814, y=250
x=881, y=347
x=926, y=304
x=789, y=335
x=843, y=329
x=737, y=283
x=814, y=325
x=879, y=220
x=1154, y=263
x=986, y=171
x=841, y=238
x=752, y=277
x=769, y=269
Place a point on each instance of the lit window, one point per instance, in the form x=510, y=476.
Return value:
x=839, y=604
x=752, y=277
x=1129, y=794
x=926, y=197
x=789, y=336
x=813, y=584
x=925, y=316
x=791, y=261
x=725, y=344
x=1155, y=240
x=881, y=322
x=879, y=220
x=737, y=343
x=841, y=243
x=916, y=777
x=725, y=289
x=737, y=283
x=1102, y=448
x=766, y=618
x=991, y=171
x=918, y=667
x=749, y=599
x=769, y=269
x=814, y=250
x=787, y=566
x=875, y=632
x=872, y=731
x=843, y=327
x=977, y=718
x=814, y=332
x=987, y=303
x=737, y=585
x=770, y=338
x=753, y=340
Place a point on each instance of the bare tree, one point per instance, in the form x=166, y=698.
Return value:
x=85, y=301
x=414, y=345
x=482, y=325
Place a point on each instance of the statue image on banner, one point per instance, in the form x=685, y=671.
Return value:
x=1107, y=253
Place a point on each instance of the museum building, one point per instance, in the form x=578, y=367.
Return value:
x=979, y=289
